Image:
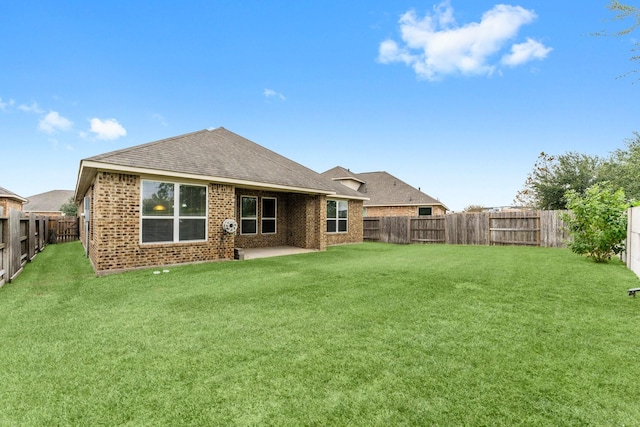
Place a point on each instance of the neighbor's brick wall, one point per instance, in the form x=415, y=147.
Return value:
x=400, y=210
x=355, y=226
x=10, y=204
x=116, y=228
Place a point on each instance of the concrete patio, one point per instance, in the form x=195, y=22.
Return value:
x=253, y=253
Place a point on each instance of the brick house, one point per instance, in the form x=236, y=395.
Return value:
x=165, y=202
x=10, y=200
x=387, y=195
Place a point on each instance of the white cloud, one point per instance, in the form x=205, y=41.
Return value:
x=270, y=93
x=5, y=104
x=33, y=108
x=525, y=52
x=53, y=122
x=107, y=129
x=435, y=45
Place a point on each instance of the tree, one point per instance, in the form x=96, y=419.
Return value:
x=474, y=209
x=69, y=208
x=598, y=221
x=552, y=176
x=622, y=13
x=622, y=169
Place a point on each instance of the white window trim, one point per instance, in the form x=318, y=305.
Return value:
x=274, y=218
x=174, y=217
x=337, y=219
x=242, y=218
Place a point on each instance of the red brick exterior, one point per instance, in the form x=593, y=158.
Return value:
x=114, y=242
x=401, y=210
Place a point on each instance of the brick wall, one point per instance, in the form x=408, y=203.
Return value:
x=10, y=204
x=260, y=240
x=354, y=226
x=115, y=228
x=400, y=210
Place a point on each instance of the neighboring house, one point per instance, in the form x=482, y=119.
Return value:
x=49, y=203
x=166, y=202
x=9, y=200
x=388, y=195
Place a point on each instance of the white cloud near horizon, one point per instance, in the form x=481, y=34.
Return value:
x=53, y=122
x=270, y=93
x=435, y=46
x=108, y=129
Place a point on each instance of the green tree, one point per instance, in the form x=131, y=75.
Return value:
x=69, y=208
x=624, y=12
x=622, y=168
x=551, y=177
x=597, y=222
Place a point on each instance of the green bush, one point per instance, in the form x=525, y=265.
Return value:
x=598, y=222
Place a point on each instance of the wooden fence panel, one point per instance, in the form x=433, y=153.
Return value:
x=371, y=228
x=394, y=229
x=427, y=229
x=64, y=229
x=553, y=232
x=514, y=228
x=3, y=249
x=530, y=228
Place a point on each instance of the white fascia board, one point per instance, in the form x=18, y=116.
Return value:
x=107, y=167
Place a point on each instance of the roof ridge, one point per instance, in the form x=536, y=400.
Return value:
x=146, y=144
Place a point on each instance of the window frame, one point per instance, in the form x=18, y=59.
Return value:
x=249, y=218
x=269, y=218
x=425, y=207
x=176, y=215
x=337, y=219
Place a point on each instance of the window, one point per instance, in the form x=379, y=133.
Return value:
x=173, y=212
x=269, y=215
x=337, y=216
x=248, y=215
x=424, y=211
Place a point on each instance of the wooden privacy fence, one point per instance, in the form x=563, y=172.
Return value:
x=63, y=229
x=530, y=228
x=22, y=237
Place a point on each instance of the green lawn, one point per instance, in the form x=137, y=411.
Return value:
x=369, y=334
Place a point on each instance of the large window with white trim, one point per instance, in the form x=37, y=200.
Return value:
x=248, y=215
x=337, y=216
x=173, y=212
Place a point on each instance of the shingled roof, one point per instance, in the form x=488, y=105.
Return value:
x=51, y=201
x=4, y=193
x=383, y=189
x=216, y=155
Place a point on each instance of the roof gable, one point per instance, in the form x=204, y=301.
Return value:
x=384, y=189
x=216, y=155
x=51, y=201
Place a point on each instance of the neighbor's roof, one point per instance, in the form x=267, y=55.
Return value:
x=384, y=189
x=4, y=193
x=51, y=201
x=216, y=155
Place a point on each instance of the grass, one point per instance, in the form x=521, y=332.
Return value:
x=370, y=334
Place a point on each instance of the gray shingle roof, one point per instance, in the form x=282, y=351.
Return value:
x=51, y=201
x=10, y=195
x=383, y=189
x=215, y=155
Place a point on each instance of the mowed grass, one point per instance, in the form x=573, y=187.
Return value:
x=369, y=334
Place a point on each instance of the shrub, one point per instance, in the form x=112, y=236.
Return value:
x=598, y=222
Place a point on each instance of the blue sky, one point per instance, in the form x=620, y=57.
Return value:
x=456, y=97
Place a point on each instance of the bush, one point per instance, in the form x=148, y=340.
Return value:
x=598, y=222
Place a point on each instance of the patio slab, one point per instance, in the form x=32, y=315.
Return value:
x=253, y=253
